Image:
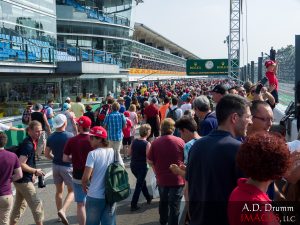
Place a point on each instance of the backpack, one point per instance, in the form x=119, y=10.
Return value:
x=172, y=114
x=26, y=116
x=105, y=109
x=117, y=186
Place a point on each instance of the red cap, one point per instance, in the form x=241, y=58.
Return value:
x=84, y=121
x=269, y=63
x=126, y=113
x=98, y=131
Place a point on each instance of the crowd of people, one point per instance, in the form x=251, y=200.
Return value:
x=207, y=140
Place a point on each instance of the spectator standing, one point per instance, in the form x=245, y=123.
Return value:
x=62, y=171
x=151, y=115
x=218, y=92
x=127, y=134
x=263, y=157
x=164, y=151
x=98, y=160
x=127, y=100
x=41, y=117
x=71, y=124
x=187, y=104
x=211, y=163
x=26, y=113
x=115, y=122
x=138, y=165
x=77, y=107
x=10, y=170
x=75, y=152
x=175, y=113
x=163, y=109
x=134, y=119
x=25, y=191
x=49, y=112
x=90, y=114
x=271, y=67
x=208, y=120
x=122, y=106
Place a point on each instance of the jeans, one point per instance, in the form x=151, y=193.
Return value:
x=169, y=204
x=98, y=211
x=140, y=173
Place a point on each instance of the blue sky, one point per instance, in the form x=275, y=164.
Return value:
x=201, y=26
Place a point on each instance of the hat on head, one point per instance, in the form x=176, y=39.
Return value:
x=68, y=99
x=59, y=120
x=84, y=121
x=126, y=113
x=98, y=131
x=66, y=106
x=269, y=63
x=219, y=89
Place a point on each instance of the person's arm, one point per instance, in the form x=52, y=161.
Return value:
x=73, y=122
x=16, y=129
x=48, y=153
x=28, y=169
x=47, y=124
x=67, y=158
x=18, y=174
x=130, y=150
x=158, y=122
x=85, y=178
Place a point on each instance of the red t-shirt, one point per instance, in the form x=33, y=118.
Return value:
x=151, y=111
x=249, y=205
x=127, y=128
x=164, y=151
x=272, y=79
x=79, y=147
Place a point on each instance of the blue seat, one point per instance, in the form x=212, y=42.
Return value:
x=12, y=53
x=4, y=54
x=21, y=57
x=31, y=57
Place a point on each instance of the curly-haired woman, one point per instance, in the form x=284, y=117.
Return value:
x=263, y=157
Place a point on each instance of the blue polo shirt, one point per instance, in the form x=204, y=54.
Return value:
x=208, y=124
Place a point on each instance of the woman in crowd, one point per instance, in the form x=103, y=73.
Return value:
x=98, y=160
x=138, y=151
x=134, y=119
x=263, y=157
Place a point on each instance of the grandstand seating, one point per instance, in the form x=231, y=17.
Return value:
x=91, y=13
x=14, y=48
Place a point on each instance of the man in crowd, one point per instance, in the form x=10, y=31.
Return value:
x=211, y=171
x=75, y=152
x=62, y=171
x=10, y=170
x=164, y=151
x=218, y=92
x=77, y=107
x=25, y=190
x=262, y=117
x=175, y=113
x=203, y=111
x=49, y=112
x=114, y=124
x=151, y=116
x=163, y=109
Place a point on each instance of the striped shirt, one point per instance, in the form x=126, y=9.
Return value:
x=114, y=123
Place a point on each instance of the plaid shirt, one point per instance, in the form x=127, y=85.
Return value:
x=114, y=123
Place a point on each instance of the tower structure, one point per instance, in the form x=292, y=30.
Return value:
x=234, y=39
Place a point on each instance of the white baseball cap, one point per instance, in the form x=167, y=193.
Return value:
x=59, y=120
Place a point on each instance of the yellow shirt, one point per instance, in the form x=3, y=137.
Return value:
x=78, y=109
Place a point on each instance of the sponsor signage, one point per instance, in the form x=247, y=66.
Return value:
x=196, y=67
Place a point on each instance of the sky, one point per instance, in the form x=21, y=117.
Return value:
x=201, y=26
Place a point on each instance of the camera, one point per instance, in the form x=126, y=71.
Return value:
x=41, y=181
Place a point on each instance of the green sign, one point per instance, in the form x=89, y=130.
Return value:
x=207, y=67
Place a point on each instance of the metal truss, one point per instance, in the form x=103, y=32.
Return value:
x=234, y=39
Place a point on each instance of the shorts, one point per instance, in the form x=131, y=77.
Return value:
x=127, y=141
x=79, y=195
x=62, y=174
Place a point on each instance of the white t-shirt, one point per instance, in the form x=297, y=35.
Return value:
x=4, y=127
x=294, y=145
x=99, y=159
x=186, y=106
